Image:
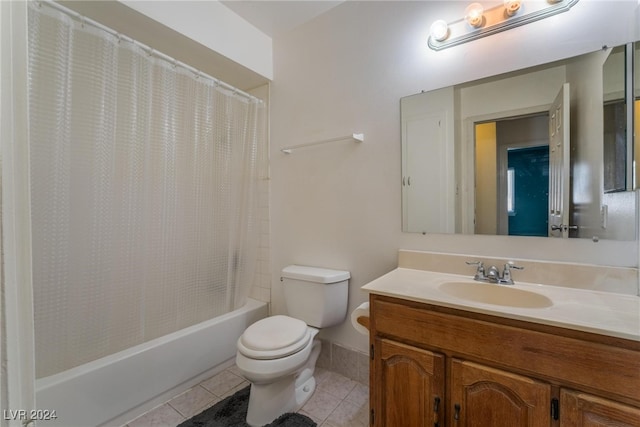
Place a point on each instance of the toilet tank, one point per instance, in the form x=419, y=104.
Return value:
x=317, y=296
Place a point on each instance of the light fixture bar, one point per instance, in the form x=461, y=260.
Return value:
x=496, y=20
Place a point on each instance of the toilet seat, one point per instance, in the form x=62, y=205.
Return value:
x=274, y=337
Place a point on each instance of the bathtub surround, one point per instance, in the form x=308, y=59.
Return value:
x=261, y=289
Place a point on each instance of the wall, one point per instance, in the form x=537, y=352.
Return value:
x=338, y=205
x=215, y=26
x=197, y=44
x=485, y=171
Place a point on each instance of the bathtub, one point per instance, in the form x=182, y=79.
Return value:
x=117, y=388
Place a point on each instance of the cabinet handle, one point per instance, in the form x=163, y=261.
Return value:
x=555, y=408
x=456, y=413
x=436, y=410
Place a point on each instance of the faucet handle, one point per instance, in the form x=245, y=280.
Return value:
x=506, y=274
x=511, y=265
x=479, y=270
x=479, y=264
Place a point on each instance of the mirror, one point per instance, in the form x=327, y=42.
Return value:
x=521, y=153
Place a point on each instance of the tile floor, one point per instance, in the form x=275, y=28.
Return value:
x=337, y=402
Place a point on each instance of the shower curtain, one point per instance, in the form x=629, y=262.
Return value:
x=144, y=180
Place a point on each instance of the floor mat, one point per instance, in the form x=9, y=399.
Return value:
x=232, y=411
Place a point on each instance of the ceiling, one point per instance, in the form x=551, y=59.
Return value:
x=277, y=17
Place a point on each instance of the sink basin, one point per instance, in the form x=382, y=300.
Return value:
x=503, y=295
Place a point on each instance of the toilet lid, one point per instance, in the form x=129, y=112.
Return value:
x=275, y=336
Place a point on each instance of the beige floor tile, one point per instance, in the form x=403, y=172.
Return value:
x=234, y=370
x=193, y=401
x=222, y=383
x=348, y=414
x=337, y=385
x=321, y=405
x=237, y=388
x=321, y=374
x=162, y=416
x=359, y=395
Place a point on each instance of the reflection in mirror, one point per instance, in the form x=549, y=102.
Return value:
x=516, y=151
x=516, y=154
x=636, y=125
x=614, y=121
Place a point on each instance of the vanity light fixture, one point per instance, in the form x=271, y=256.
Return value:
x=473, y=14
x=511, y=7
x=479, y=22
x=439, y=30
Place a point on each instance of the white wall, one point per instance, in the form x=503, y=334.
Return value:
x=215, y=26
x=338, y=205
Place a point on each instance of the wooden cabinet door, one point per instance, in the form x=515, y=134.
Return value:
x=584, y=410
x=487, y=397
x=408, y=386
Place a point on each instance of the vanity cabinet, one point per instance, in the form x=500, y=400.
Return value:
x=580, y=409
x=436, y=366
x=412, y=381
x=484, y=396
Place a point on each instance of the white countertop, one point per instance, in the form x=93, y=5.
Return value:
x=616, y=315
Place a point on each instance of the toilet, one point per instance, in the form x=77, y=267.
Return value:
x=278, y=354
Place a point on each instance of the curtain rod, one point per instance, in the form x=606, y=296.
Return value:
x=152, y=52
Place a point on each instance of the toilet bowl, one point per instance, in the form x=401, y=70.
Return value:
x=281, y=379
x=277, y=355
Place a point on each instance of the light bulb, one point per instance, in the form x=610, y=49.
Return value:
x=439, y=30
x=473, y=14
x=511, y=7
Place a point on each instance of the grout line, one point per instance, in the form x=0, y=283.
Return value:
x=323, y=371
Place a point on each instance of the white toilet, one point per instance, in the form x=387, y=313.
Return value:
x=277, y=355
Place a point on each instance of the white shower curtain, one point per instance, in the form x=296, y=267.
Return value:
x=144, y=183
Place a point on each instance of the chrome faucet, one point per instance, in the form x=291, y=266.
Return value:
x=492, y=275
